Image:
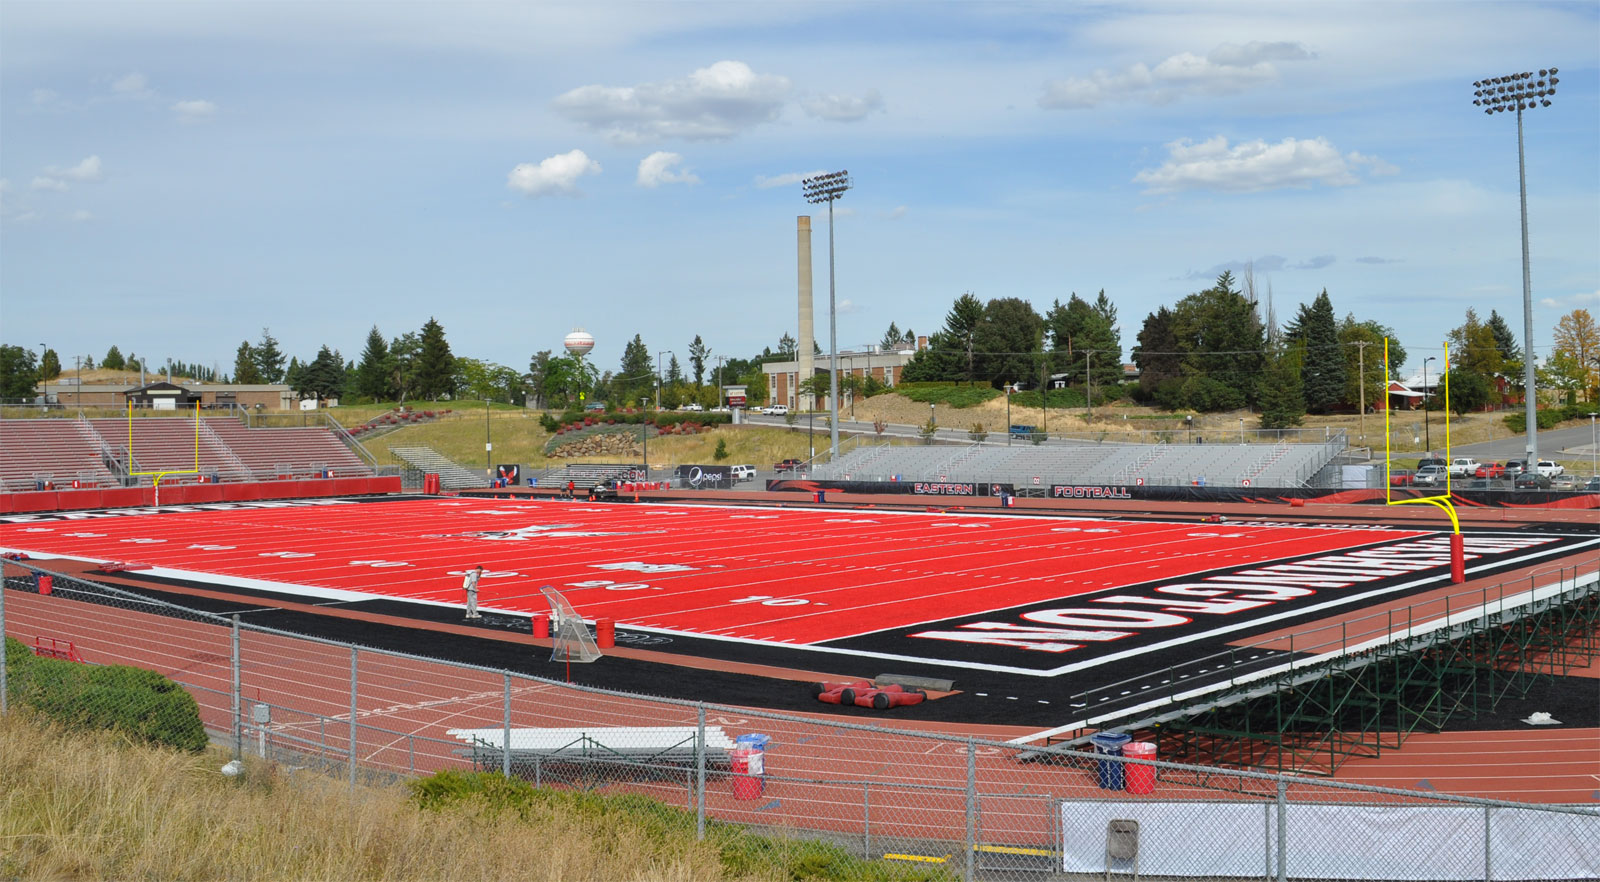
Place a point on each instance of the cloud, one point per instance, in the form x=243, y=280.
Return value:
x=656, y=169
x=1377, y=260
x=898, y=212
x=1228, y=69
x=81, y=216
x=712, y=103
x=553, y=175
x=42, y=97
x=134, y=85
x=843, y=108
x=1317, y=262
x=847, y=307
x=1266, y=263
x=788, y=179
x=193, y=111
x=1572, y=301
x=57, y=178
x=1252, y=166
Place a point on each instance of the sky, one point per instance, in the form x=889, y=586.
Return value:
x=175, y=177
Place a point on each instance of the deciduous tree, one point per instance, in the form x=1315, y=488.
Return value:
x=1578, y=337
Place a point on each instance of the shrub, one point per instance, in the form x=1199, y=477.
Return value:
x=721, y=453
x=134, y=701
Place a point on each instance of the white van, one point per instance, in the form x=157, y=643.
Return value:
x=742, y=473
x=778, y=410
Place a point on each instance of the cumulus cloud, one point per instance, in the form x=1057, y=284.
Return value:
x=1314, y=263
x=555, y=175
x=134, y=85
x=657, y=169
x=193, y=111
x=58, y=178
x=787, y=179
x=1252, y=166
x=1590, y=300
x=1227, y=69
x=712, y=103
x=843, y=108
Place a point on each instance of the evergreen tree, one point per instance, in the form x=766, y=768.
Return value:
x=891, y=337
x=788, y=347
x=1158, y=356
x=1504, y=339
x=113, y=360
x=372, y=374
x=1316, y=331
x=697, y=360
x=1079, y=328
x=435, y=367
x=269, y=360
x=322, y=377
x=49, y=365
x=245, y=372
x=1473, y=348
x=534, y=379
x=1007, y=342
x=1222, y=339
x=291, y=375
x=961, y=330
x=1282, y=401
x=674, y=372
x=636, y=380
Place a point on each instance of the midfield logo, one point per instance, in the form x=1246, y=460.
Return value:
x=537, y=531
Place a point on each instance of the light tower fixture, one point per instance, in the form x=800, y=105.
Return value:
x=1519, y=92
x=828, y=188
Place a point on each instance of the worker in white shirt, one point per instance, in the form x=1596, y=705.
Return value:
x=470, y=583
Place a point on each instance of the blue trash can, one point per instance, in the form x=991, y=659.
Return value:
x=754, y=740
x=1109, y=773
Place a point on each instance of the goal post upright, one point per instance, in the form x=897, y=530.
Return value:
x=1458, y=568
x=157, y=474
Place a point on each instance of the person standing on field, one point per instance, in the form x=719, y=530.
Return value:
x=470, y=583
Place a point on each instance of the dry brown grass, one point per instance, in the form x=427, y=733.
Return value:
x=94, y=807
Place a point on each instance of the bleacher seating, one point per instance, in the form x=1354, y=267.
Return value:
x=1029, y=465
x=59, y=451
x=451, y=476
x=271, y=452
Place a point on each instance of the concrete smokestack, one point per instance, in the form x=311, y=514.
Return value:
x=805, y=345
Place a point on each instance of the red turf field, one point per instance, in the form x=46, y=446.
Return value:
x=781, y=575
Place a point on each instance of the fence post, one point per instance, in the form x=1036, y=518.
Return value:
x=353, y=682
x=505, y=746
x=1488, y=854
x=700, y=771
x=972, y=808
x=238, y=708
x=3, y=707
x=1283, y=830
x=866, y=819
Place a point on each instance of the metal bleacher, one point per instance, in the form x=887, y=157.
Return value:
x=1029, y=465
x=54, y=451
x=588, y=476
x=451, y=476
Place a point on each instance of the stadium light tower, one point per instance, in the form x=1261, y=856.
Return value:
x=828, y=188
x=1519, y=92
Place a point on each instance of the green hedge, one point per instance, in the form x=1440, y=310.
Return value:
x=140, y=703
x=1549, y=417
x=949, y=394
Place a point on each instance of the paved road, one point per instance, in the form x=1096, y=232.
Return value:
x=1571, y=443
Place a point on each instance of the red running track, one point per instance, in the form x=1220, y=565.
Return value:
x=780, y=575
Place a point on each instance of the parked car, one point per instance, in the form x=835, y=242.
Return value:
x=742, y=473
x=1593, y=484
x=1491, y=470
x=777, y=410
x=1531, y=481
x=789, y=465
x=692, y=407
x=1431, y=461
x=1463, y=467
x=1549, y=469
x=1515, y=467
x=1564, y=482
x=597, y=406
x=1401, y=477
x=1430, y=476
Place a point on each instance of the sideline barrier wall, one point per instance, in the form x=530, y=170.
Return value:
x=193, y=494
x=971, y=804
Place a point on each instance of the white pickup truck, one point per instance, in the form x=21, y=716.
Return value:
x=1463, y=467
x=1549, y=469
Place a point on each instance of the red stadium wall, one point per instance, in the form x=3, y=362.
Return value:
x=192, y=494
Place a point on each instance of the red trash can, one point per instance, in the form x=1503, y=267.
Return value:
x=745, y=764
x=1141, y=779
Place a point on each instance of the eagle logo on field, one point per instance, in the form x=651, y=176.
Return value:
x=537, y=531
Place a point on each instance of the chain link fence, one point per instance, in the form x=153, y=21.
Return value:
x=981, y=809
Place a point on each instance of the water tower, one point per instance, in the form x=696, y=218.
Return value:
x=579, y=342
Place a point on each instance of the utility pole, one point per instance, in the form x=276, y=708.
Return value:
x=1361, y=381
x=1088, y=387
